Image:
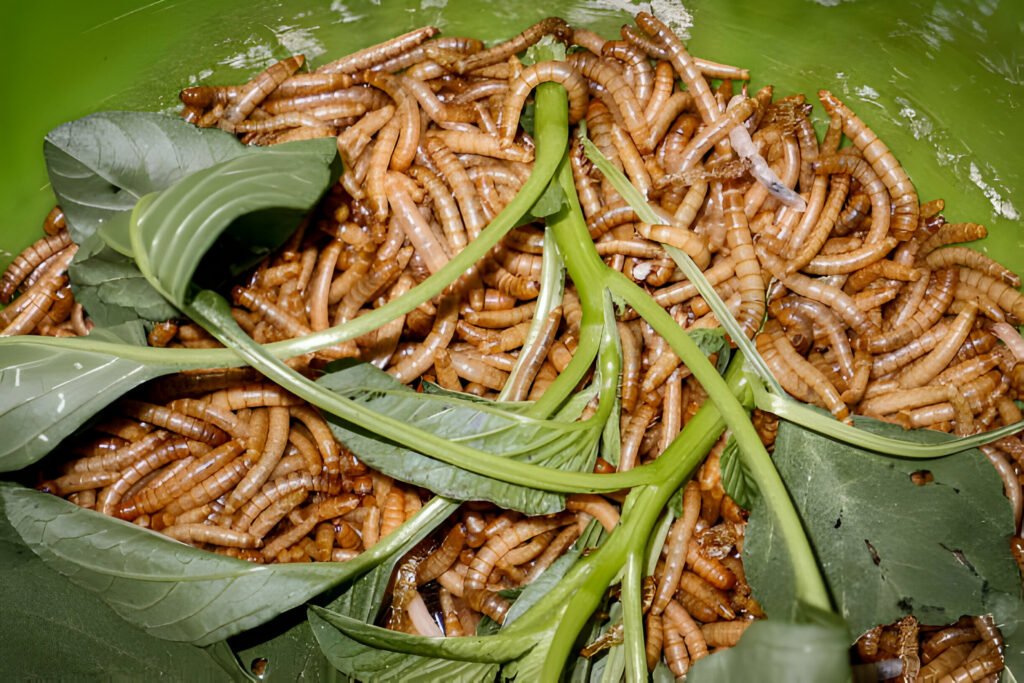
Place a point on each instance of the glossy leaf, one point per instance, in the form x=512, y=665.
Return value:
x=558, y=444
x=172, y=590
x=47, y=391
x=102, y=164
x=172, y=230
x=380, y=666
x=888, y=546
x=94, y=643
x=777, y=652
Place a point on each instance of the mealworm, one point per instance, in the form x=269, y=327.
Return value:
x=440, y=335
x=288, y=538
x=541, y=72
x=215, y=535
x=321, y=432
x=379, y=53
x=604, y=73
x=273, y=449
x=166, y=451
x=257, y=90
x=939, y=357
x=74, y=482
x=725, y=633
x=638, y=71
x=454, y=173
x=861, y=171
x=976, y=669
x=951, y=233
x=683, y=64
x=973, y=259
x=675, y=547
x=816, y=380
x=211, y=488
x=553, y=26
x=946, y=661
x=709, y=568
x=676, y=617
x=937, y=300
x=371, y=527
x=702, y=590
x=745, y=262
x=654, y=635
x=445, y=207
x=487, y=602
x=151, y=499
x=905, y=203
x=498, y=545
x=1008, y=298
x=1011, y=483
x=266, y=520
x=269, y=494
x=29, y=259
x=989, y=632
x=675, y=651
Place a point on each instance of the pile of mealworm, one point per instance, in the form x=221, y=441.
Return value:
x=822, y=251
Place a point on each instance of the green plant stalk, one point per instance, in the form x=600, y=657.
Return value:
x=212, y=312
x=583, y=588
x=632, y=615
x=581, y=258
x=552, y=285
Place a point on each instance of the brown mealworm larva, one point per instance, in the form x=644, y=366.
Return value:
x=550, y=26
x=905, y=204
x=676, y=544
x=530, y=78
x=683, y=64
x=257, y=90
x=502, y=542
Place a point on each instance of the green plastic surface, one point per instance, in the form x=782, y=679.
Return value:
x=939, y=80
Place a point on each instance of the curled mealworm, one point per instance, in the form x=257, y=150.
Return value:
x=603, y=72
x=871, y=184
x=530, y=78
x=905, y=204
x=499, y=544
x=440, y=335
x=937, y=300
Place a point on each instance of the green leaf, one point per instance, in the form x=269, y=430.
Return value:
x=47, y=391
x=557, y=444
x=713, y=340
x=101, y=165
x=172, y=230
x=112, y=288
x=90, y=641
x=889, y=547
x=287, y=649
x=737, y=480
x=172, y=590
x=379, y=666
x=777, y=652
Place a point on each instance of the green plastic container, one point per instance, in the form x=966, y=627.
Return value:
x=940, y=82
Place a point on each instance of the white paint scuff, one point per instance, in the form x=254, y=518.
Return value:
x=1001, y=207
